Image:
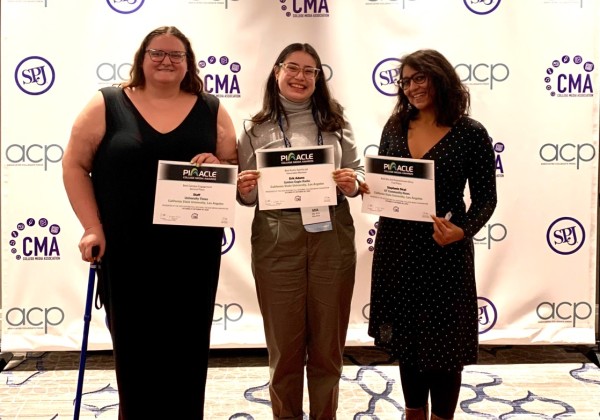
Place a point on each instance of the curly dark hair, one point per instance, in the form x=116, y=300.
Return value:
x=191, y=82
x=328, y=112
x=452, y=99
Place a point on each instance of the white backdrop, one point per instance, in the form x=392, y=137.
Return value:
x=531, y=68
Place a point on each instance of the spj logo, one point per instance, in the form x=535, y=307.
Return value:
x=385, y=75
x=482, y=7
x=35, y=240
x=228, y=240
x=305, y=8
x=565, y=235
x=570, y=77
x=125, y=6
x=487, y=314
x=223, y=80
x=34, y=75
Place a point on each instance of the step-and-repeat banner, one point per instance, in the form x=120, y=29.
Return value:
x=530, y=66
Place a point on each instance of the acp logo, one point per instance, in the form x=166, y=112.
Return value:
x=125, y=6
x=482, y=7
x=570, y=77
x=567, y=154
x=34, y=75
x=35, y=240
x=487, y=314
x=492, y=232
x=223, y=80
x=565, y=235
x=305, y=8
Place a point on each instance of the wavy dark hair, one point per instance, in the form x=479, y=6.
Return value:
x=452, y=99
x=327, y=111
x=191, y=83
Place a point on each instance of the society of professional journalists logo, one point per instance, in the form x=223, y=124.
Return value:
x=35, y=240
x=487, y=314
x=228, y=240
x=304, y=8
x=401, y=3
x=125, y=6
x=385, y=75
x=569, y=154
x=34, y=75
x=570, y=76
x=221, y=76
x=482, y=7
x=565, y=236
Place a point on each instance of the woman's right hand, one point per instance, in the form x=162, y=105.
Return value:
x=247, y=181
x=93, y=236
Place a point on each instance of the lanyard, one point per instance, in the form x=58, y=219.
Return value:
x=286, y=140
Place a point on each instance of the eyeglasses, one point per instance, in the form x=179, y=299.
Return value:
x=419, y=78
x=309, y=73
x=159, y=55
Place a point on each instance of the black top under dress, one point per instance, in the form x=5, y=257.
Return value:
x=158, y=282
x=423, y=296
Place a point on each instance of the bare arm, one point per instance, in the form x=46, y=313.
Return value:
x=86, y=134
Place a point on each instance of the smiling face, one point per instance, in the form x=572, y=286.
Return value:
x=417, y=89
x=165, y=71
x=296, y=87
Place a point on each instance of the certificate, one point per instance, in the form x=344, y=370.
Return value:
x=292, y=177
x=400, y=188
x=195, y=195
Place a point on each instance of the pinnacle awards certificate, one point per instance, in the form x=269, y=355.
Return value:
x=195, y=195
x=400, y=188
x=292, y=177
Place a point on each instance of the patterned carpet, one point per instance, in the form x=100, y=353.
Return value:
x=524, y=382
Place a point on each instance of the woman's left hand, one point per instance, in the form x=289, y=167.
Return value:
x=204, y=158
x=445, y=232
x=345, y=179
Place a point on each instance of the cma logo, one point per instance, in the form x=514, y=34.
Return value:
x=34, y=318
x=297, y=157
x=199, y=173
x=35, y=247
x=482, y=7
x=564, y=311
x=570, y=77
x=567, y=153
x=221, y=78
x=493, y=232
x=387, y=72
x=229, y=312
x=125, y=6
x=305, y=8
x=499, y=148
x=33, y=155
x=487, y=314
x=565, y=235
x=34, y=75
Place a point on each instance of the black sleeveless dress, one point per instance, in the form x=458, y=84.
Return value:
x=158, y=282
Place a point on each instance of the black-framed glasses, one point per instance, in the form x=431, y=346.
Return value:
x=293, y=69
x=159, y=55
x=418, y=79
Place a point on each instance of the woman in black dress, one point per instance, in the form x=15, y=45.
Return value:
x=152, y=275
x=423, y=294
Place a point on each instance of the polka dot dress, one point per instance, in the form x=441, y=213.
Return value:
x=423, y=296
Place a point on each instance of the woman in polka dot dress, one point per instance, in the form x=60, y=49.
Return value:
x=423, y=294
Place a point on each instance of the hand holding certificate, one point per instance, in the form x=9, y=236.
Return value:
x=293, y=177
x=195, y=196
x=400, y=188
